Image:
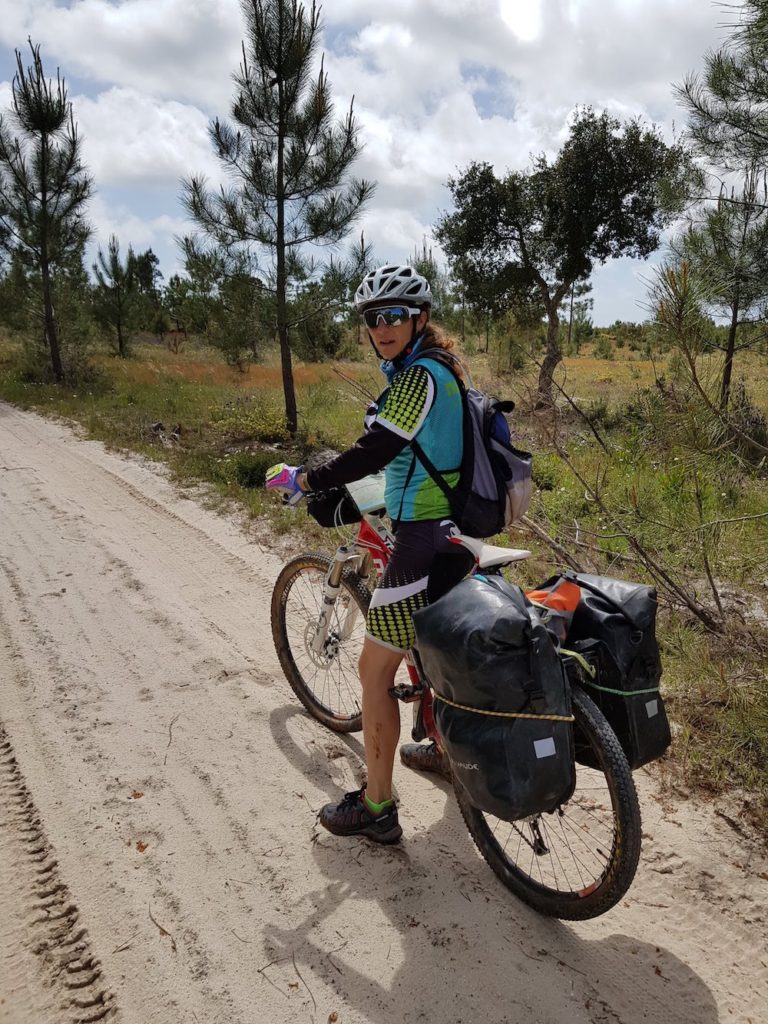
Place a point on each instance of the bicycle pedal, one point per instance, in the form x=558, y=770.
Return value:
x=406, y=693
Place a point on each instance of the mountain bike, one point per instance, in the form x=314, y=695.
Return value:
x=574, y=863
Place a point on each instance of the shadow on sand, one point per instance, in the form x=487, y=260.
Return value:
x=440, y=940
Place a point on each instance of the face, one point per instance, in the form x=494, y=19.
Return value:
x=390, y=340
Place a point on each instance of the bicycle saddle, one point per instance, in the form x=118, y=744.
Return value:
x=486, y=555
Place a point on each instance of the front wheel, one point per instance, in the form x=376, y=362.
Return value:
x=326, y=681
x=580, y=860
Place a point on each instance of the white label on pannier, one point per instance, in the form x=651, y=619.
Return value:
x=652, y=707
x=545, y=748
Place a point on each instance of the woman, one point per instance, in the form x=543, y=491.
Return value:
x=422, y=400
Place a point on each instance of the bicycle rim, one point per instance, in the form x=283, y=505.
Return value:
x=580, y=860
x=326, y=682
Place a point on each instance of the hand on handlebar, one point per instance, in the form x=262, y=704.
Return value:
x=284, y=480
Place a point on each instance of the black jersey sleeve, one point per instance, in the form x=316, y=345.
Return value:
x=370, y=453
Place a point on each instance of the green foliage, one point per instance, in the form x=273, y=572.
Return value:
x=727, y=103
x=240, y=321
x=727, y=247
x=288, y=160
x=116, y=297
x=603, y=348
x=548, y=471
x=747, y=417
x=247, y=469
x=44, y=188
x=76, y=331
x=256, y=418
x=531, y=235
x=317, y=331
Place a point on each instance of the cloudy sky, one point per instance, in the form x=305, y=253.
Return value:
x=437, y=83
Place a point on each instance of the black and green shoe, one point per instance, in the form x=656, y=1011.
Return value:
x=352, y=817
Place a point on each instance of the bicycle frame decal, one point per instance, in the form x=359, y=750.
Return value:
x=376, y=538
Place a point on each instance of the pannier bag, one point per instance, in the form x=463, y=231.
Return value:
x=494, y=487
x=502, y=701
x=614, y=628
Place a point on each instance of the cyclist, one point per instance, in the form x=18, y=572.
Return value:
x=422, y=400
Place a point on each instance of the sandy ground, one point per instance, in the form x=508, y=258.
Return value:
x=158, y=789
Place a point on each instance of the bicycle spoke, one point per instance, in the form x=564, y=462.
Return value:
x=328, y=675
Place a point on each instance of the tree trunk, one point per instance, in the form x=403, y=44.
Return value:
x=552, y=357
x=730, y=349
x=49, y=321
x=289, y=391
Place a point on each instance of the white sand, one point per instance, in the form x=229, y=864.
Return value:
x=137, y=659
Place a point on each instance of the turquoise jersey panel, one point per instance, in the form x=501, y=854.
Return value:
x=424, y=402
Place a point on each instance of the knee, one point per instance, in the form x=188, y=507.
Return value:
x=377, y=673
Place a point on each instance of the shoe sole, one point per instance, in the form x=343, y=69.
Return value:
x=444, y=773
x=392, y=835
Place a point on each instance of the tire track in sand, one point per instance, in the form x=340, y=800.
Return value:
x=47, y=966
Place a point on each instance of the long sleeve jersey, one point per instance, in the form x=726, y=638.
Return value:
x=422, y=402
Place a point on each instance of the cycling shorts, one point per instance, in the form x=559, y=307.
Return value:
x=424, y=565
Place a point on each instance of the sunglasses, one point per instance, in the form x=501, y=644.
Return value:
x=390, y=316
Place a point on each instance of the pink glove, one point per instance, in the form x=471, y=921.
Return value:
x=284, y=480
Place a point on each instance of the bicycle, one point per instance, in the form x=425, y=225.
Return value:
x=575, y=863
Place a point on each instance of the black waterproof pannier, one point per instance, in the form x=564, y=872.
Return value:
x=502, y=701
x=614, y=628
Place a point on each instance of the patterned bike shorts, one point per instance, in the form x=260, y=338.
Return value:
x=423, y=567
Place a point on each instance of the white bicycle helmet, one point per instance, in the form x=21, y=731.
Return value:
x=390, y=283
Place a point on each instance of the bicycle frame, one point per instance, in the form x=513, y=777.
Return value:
x=372, y=548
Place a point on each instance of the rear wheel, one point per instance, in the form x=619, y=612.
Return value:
x=326, y=682
x=580, y=860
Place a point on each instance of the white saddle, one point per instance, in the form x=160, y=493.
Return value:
x=486, y=555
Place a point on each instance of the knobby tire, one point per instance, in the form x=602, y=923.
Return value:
x=317, y=695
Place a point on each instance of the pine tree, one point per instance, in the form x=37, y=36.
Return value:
x=727, y=247
x=116, y=293
x=728, y=102
x=44, y=186
x=288, y=160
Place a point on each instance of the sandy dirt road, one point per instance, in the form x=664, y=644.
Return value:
x=158, y=854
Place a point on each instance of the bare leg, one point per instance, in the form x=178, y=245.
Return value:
x=381, y=716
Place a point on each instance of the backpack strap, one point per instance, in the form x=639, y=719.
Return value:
x=408, y=477
x=436, y=475
x=449, y=361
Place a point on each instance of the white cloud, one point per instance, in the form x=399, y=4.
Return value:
x=524, y=17
x=168, y=48
x=114, y=218
x=436, y=85
x=130, y=137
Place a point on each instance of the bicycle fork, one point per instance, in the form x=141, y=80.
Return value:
x=331, y=589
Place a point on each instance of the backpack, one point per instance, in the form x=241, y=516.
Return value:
x=494, y=487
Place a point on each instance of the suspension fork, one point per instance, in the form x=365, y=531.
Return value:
x=331, y=589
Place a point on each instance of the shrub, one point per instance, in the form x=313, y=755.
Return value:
x=257, y=418
x=603, y=348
